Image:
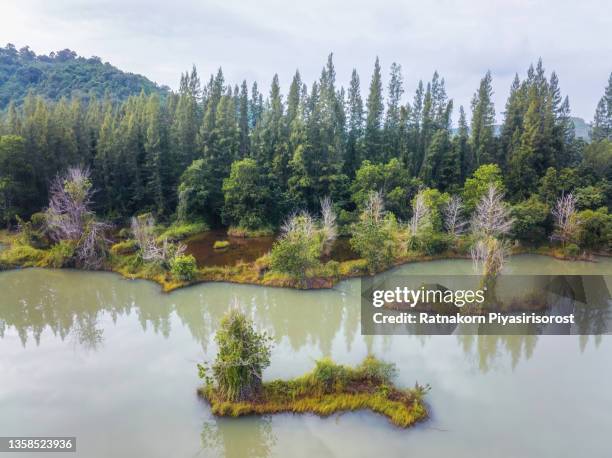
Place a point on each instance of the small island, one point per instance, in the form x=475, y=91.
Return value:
x=234, y=386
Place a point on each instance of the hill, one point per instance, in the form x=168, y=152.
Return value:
x=582, y=129
x=64, y=74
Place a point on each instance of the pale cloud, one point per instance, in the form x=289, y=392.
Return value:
x=255, y=39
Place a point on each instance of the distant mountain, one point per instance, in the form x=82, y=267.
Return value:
x=582, y=129
x=64, y=74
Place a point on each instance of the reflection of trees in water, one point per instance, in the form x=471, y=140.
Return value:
x=72, y=303
x=487, y=348
x=233, y=437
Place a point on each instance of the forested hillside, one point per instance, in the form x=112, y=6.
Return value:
x=64, y=74
x=227, y=154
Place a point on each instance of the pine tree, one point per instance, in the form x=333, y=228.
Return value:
x=461, y=148
x=354, y=145
x=483, y=122
x=602, y=123
x=392, y=117
x=374, y=106
x=243, y=123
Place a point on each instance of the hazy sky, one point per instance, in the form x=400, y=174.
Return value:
x=254, y=39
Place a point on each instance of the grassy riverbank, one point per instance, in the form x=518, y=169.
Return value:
x=332, y=388
x=124, y=260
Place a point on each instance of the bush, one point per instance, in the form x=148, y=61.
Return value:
x=571, y=250
x=294, y=255
x=221, y=245
x=374, y=241
x=180, y=231
x=299, y=248
x=21, y=255
x=595, y=229
x=126, y=247
x=183, y=267
x=60, y=255
x=237, y=231
x=329, y=375
x=432, y=243
x=531, y=221
x=242, y=356
x=377, y=371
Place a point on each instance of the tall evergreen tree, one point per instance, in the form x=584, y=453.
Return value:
x=483, y=122
x=243, y=121
x=354, y=145
x=392, y=117
x=374, y=107
x=602, y=123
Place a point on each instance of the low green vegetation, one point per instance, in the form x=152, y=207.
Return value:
x=221, y=245
x=243, y=232
x=234, y=386
x=183, y=267
x=180, y=231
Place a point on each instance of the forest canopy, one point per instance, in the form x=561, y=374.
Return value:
x=230, y=154
x=64, y=74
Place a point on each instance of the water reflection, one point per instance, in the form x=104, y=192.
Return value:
x=257, y=438
x=79, y=304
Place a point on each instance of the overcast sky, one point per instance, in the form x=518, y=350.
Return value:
x=254, y=39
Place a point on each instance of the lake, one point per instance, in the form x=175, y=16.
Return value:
x=113, y=362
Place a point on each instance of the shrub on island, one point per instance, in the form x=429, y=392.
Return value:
x=234, y=387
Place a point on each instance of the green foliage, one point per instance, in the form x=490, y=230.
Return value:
x=571, y=250
x=243, y=354
x=179, y=231
x=213, y=152
x=331, y=388
x=392, y=179
x=589, y=197
x=183, y=267
x=63, y=74
x=17, y=182
x=60, y=255
x=237, y=231
x=374, y=239
x=595, y=229
x=21, y=255
x=296, y=252
x=435, y=202
x=432, y=243
x=124, y=247
x=532, y=222
x=598, y=159
x=476, y=186
x=221, y=244
x=246, y=196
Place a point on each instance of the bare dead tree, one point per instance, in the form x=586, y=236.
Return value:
x=69, y=217
x=69, y=205
x=302, y=224
x=454, y=221
x=152, y=250
x=492, y=216
x=329, y=228
x=489, y=255
x=566, y=221
x=375, y=207
x=92, y=249
x=421, y=214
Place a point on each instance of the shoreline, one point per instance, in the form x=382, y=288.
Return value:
x=252, y=274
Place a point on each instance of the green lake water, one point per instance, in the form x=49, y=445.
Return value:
x=113, y=362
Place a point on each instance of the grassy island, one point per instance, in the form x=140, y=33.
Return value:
x=328, y=389
x=234, y=386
